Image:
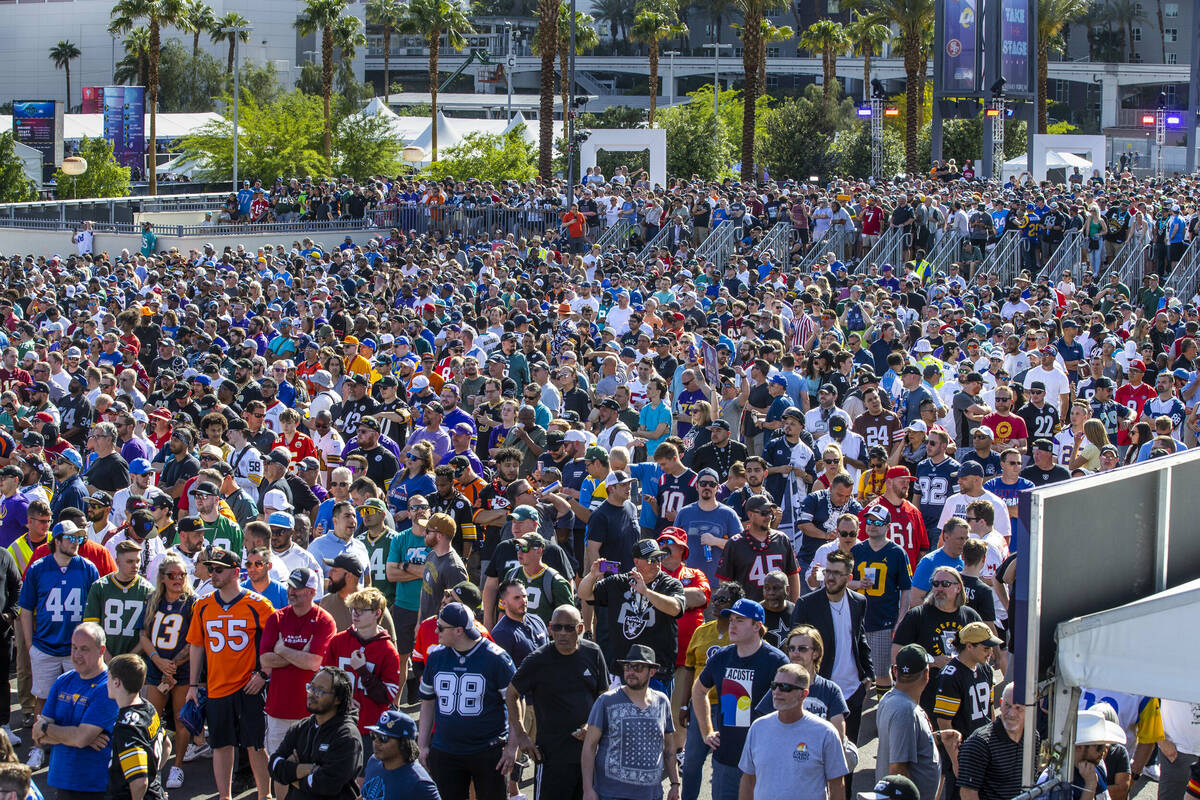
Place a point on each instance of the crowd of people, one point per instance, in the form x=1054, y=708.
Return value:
x=588, y=520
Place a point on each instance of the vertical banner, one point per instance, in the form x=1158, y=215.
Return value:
x=1015, y=62
x=113, y=100
x=133, y=124
x=39, y=124
x=959, y=47
x=93, y=100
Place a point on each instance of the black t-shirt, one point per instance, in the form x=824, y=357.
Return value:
x=616, y=530
x=179, y=470
x=1039, y=422
x=577, y=400
x=748, y=561
x=562, y=690
x=110, y=473
x=979, y=597
x=933, y=629
x=964, y=696
x=633, y=620
x=382, y=466
x=1045, y=477
x=75, y=412
x=778, y=624
x=346, y=415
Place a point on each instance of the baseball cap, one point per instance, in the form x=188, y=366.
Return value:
x=468, y=593
x=617, y=477
x=100, y=498
x=303, y=578
x=347, y=561
x=277, y=500
x=1138, y=364
x=139, y=466
x=719, y=423
x=898, y=472
x=918, y=425
x=983, y=430
x=64, y=528
x=1044, y=445
x=71, y=455
x=746, y=608
x=647, y=548
x=911, y=369
x=525, y=513
x=281, y=519
x=457, y=615
x=676, y=536
x=878, y=515
x=531, y=539
x=968, y=468
x=220, y=557
x=779, y=380
x=892, y=787
x=912, y=659
x=978, y=633
x=575, y=436
x=758, y=502
x=205, y=488
x=396, y=725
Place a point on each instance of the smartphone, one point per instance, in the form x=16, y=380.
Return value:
x=609, y=567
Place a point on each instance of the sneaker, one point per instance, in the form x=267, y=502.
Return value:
x=12, y=737
x=175, y=778
x=29, y=720
x=196, y=751
x=1150, y=772
x=37, y=758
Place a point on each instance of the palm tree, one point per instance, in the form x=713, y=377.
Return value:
x=386, y=14
x=752, y=55
x=618, y=15
x=1128, y=13
x=323, y=15
x=827, y=38
x=547, y=33
x=586, y=38
x=1052, y=16
x=772, y=33
x=231, y=19
x=867, y=37
x=717, y=9
x=652, y=26
x=62, y=54
x=197, y=18
x=134, y=68
x=158, y=14
x=912, y=18
x=430, y=19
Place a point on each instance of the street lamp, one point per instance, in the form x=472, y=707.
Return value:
x=236, y=31
x=510, y=61
x=716, y=48
x=671, y=84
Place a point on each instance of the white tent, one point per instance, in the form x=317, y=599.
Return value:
x=447, y=135
x=378, y=108
x=518, y=119
x=1141, y=648
x=1055, y=159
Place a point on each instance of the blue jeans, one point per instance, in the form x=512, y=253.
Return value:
x=695, y=751
x=726, y=781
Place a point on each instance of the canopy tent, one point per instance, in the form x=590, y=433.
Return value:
x=447, y=135
x=1141, y=648
x=518, y=119
x=1055, y=159
x=184, y=166
x=378, y=108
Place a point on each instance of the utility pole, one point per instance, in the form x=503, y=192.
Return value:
x=569, y=113
x=671, y=80
x=236, y=31
x=716, y=48
x=509, y=63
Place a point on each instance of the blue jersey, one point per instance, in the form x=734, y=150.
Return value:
x=885, y=574
x=741, y=683
x=56, y=597
x=469, y=690
x=935, y=483
x=77, y=701
x=930, y=562
x=818, y=509
x=411, y=782
x=646, y=475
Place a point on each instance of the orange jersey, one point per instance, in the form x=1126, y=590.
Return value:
x=230, y=638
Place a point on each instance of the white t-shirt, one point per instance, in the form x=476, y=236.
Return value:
x=845, y=672
x=1056, y=382
x=956, y=506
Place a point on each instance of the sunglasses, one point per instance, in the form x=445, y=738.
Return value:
x=175, y=576
x=941, y=584
x=217, y=570
x=847, y=534
x=799, y=648
x=779, y=686
x=561, y=627
x=75, y=539
x=707, y=484
x=379, y=737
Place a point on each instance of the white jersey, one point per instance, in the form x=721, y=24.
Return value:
x=248, y=468
x=956, y=506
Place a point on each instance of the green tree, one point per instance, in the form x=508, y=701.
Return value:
x=196, y=18
x=547, y=34
x=62, y=54
x=614, y=117
x=585, y=39
x=15, y=185
x=283, y=137
x=772, y=33
x=431, y=19
x=698, y=144
x=914, y=19
x=488, y=156
x=850, y=151
x=158, y=14
x=134, y=66
x=387, y=14
x=654, y=22
x=1052, y=16
x=365, y=146
x=261, y=81
x=618, y=16
x=827, y=38
x=104, y=176
x=867, y=37
x=187, y=83
x=321, y=17
x=230, y=19
x=800, y=132
x=752, y=46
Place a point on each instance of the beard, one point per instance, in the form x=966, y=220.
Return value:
x=333, y=587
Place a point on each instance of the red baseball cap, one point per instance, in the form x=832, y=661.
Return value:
x=1138, y=364
x=898, y=472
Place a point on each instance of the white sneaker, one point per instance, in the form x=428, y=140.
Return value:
x=37, y=758
x=196, y=751
x=1150, y=772
x=13, y=739
x=175, y=778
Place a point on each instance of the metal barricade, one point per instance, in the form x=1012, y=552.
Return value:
x=615, y=236
x=1067, y=257
x=659, y=240
x=1186, y=276
x=945, y=251
x=1130, y=261
x=832, y=242
x=888, y=249
x=1001, y=259
x=779, y=241
x=718, y=245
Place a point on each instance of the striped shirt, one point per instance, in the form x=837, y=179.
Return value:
x=989, y=761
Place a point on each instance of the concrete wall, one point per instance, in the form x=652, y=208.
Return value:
x=22, y=241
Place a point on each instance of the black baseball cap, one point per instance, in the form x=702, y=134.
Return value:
x=892, y=787
x=912, y=659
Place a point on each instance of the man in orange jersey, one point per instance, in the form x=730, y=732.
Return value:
x=225, y=631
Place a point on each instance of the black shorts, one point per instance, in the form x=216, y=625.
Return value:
x=406, y=629
x=239, y=720
x=154, y=675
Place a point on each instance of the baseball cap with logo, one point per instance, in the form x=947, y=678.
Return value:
x=746, y=608
x=912, y=659
x=457, y=615
x=303, y=578
x=892, y=787
x=398, y=725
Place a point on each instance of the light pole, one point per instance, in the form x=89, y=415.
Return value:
x=671, y=83
x=716, y=48
x=509, y=62
x=236, y=31
x=569, y=112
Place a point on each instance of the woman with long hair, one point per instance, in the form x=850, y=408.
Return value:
x=416, y=478
x=1085, y=453
x=699, y=434
x=337, y=370
x=832, y=463
x=1096, y=228
x=168, y=616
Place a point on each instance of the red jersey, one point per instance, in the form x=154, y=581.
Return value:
x=14, y=378
x=693, y=617
x=872, y=220
x=1134, y=398
x=426, y=638
x=96, y=553
x=286, y=696
x=301, y=447
x=907, y=527
x=380, y=676
x=305, y=371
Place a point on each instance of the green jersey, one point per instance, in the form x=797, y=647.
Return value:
x=224, y=533
x=119, y=609
x=545, y=591
x=378, y=551
x=408, y=548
